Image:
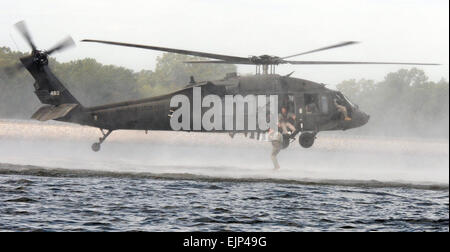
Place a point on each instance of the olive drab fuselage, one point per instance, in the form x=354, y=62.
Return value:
x=296, y=94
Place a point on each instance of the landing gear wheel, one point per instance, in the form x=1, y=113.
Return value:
x=306, y=139
x=95, y=147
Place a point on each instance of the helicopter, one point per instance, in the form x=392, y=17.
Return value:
x=314, y=107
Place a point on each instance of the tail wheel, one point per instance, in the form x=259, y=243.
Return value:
x=306, y=139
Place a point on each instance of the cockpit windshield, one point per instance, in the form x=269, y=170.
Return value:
x=346, y=99
x=350, y=102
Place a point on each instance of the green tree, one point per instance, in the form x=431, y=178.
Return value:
x=172, y=73
x=93, y=83
x=404, y=103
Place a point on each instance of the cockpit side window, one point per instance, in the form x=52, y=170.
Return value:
x=341, y=97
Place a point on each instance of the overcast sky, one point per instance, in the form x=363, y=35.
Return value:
x=403, y=30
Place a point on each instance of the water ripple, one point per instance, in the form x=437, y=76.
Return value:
x=124, y=203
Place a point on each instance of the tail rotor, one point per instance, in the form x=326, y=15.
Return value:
x=37, y=57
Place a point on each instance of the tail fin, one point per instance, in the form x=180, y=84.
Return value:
x=47, y=87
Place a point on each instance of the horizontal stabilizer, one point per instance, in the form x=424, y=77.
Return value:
x=50, y=112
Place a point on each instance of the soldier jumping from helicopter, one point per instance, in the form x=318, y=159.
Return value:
x=284, y=122
x=277, y=144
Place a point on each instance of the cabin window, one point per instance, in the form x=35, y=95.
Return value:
x=324, y=103
x=287, y=101
x=311, y=103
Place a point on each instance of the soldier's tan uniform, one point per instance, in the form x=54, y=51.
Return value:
x=343, y=110
x=277, y=143
x=284, y=123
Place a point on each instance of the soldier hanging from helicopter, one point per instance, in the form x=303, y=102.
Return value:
x=286, y=117
x=286, y=122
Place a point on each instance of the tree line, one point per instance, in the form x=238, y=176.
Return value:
x=405, y=103
x=93, y=83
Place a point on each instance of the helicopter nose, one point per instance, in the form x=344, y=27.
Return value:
x=360, y=118
x=366, y=118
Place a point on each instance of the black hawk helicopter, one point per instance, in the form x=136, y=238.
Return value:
x=314, y=106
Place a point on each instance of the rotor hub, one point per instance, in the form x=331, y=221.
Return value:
x=265, y=60
x=40, y=57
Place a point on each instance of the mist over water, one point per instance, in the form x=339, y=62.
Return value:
x=333, y=157
x=174, y=181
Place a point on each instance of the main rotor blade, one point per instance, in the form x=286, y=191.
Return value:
x=324, y=48
x=172, y=50
x=64, y=44
x=218, y=62
x=355, y=63
x=22, y=28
